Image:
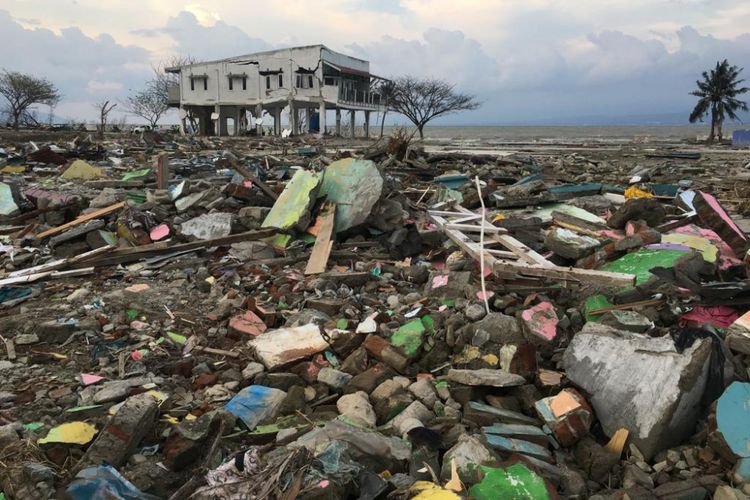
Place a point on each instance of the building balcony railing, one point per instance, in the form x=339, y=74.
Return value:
x=356, y=97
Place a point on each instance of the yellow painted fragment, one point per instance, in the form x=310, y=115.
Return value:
x=634, y=192
x=70, y=433
x=425, y=490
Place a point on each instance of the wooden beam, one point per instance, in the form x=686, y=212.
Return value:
x=92, y=215
x=240, y=169
x=323, y=243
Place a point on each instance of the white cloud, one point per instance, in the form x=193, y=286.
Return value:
x=95, y=86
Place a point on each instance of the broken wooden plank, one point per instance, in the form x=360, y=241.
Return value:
x=162, y=171
x=577, y=224
x=528, y=263
x=323, y=243
x=220, y=352
x=83, y=218
x=123, y=255
x=29, y=278
x=61, y=263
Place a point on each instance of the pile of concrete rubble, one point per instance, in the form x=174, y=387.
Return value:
x=227, y=319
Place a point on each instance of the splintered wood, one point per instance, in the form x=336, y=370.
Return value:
x=323, y=244
x=516, y=259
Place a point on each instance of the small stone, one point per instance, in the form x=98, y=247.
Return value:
x=636, y=453
x=424, y=391
x=660, y=466
x=681, y=465
x=38, y=472
x=673, y=456
x=402, y=422
x=475, y=312
x=386, y=390
x=485, y=377
x=357, y=408
x=334, y=378
x=633, y=476
x=26, y=339
x=728, y=493
x=402, y=381
x=77, y=295
x=393, y=301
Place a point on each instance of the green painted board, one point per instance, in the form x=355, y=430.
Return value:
x=516, y=482
x=642, y=261
x=294, y=202
x=595, y=302
x=409, y=337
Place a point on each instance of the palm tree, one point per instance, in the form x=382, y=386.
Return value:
x=718, y=93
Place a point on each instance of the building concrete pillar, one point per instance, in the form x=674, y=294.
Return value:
x=238, y=121
x=322, y=118
x=257, y=115
x=217, y=120
x=351, y=116
x=338, y=122
x=277, y=121
x=292, y=118
x=367, y=124
x=308, y=118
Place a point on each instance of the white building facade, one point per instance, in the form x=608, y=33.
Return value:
x=216, y=96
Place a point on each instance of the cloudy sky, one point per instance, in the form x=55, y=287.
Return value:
x=530, y=61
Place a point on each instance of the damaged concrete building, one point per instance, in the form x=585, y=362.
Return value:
x=216, y=96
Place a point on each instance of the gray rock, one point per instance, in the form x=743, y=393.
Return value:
x=639, y=383
x=485, y=377
x=475, y=312
x=502, y=329
x=569, y=244
x=424, y=391
x=729, y=493
x=208, y=226
x=334, y=378
x=357, y=407
x=633, y=476
x=415, y=412
x=386, y=390
x=468, y=453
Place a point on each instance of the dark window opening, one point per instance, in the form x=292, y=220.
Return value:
x=298, y=82
x=231, y=83
x=310, y=81
x=244, y=83
x=268, y=83
x=281, y=80
x=192, y=84
x=330, y=81
x=205, y=84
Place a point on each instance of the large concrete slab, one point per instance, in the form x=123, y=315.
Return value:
x=355, y=186
x=640, y=383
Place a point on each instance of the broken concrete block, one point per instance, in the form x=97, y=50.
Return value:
x=639, y=383
x=540, y=323
x=188, y=201
x=485, y=377
x=357, y=408
x=649, y=210
x=292, y=208
x=256, y=403
x=468, y=453
x=283, y=346
x=125, y=430
x=208, y=226
x=569, y=244
x=630, y=321
x=451, y=285
x=247, y=323
x=414, y=415
x=567, y=415
x=334, y=379
x=354, y=185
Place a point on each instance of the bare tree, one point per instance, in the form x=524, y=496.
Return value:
x=422, y=99
x=163, y=81
x=387, y=91
x=104, y=108
x=22, y=91
x=146, y=104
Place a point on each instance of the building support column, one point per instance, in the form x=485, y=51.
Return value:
x=277, y=121
x=308, y=118
x=292, y=118
x=217, y=120
x=367, y=124
x=351, y=131
x=257, y=116
x=338, y=122
x=322, y=119
x=238, y=121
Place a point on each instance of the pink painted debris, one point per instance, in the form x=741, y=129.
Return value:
x=541, y=321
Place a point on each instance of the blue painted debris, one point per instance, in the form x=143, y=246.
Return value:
x=256, y=403
x=104, y=482
x=452, y=181
x=732, y=417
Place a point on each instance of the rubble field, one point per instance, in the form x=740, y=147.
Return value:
x=242, y=318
